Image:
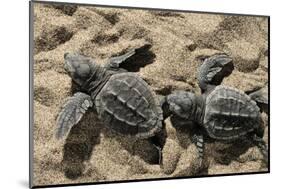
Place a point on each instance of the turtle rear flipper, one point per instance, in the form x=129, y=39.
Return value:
x=261, y=97
x=71, y=113
x=213, y=70
x=260, y=143
x=165, y=107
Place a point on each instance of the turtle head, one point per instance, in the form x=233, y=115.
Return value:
x=78, y=67
x=182, y=104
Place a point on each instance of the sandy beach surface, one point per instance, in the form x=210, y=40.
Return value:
x=178, y=42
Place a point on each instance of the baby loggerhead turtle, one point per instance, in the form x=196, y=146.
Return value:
x=122, y=100
x=222, y=113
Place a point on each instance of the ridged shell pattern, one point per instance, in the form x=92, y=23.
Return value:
x=128, y=106
x=230, y=113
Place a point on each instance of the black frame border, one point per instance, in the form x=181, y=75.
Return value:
x=31, y=113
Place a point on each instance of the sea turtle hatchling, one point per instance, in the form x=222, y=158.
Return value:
x=222, y=113
x=122, y=100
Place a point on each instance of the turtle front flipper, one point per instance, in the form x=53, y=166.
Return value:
x=114, y=62
x=198, y=140
x=213, y=70
x=71, y=113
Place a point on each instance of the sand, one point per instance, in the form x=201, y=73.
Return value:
x=179, y=41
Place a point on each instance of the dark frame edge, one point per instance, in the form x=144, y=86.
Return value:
x=31, y=149
x=149, y=180
x=268, y=40
x=147, y=8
